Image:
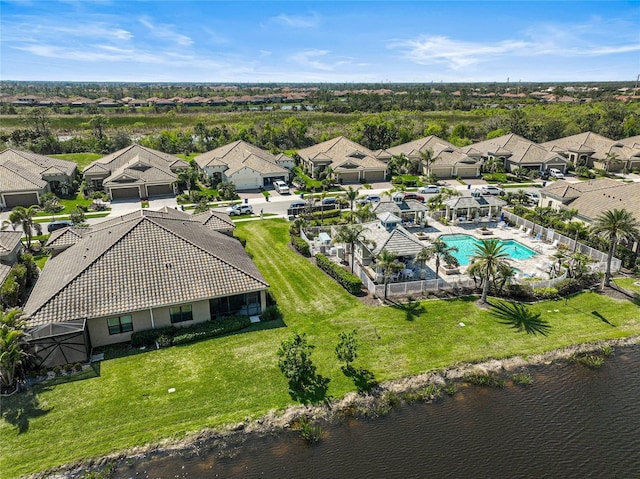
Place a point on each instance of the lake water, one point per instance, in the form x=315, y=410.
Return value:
x=572, y=422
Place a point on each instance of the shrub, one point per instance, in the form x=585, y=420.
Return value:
x=520, y=291
x=57, y=370
x=165, y=340
x=545, y=293
x=149, y=337
x=316, y=215
x=272, y=313
x=210, y=329
x=68, y=368
x=309, y=431
x=77, y=367
x=523, y=379
x=488, y=380
x=348, y=281
x=584, y=172
x=301, y=246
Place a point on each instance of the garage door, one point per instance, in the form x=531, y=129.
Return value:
x=441, y=172
x=159, y=190
x=125, y=193
x=371, y=176
x=23, y=199
x=468, y=172
x=349, y=177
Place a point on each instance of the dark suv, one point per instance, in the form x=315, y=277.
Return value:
x=58, y=225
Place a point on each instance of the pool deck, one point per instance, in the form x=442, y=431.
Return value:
x=535, y=266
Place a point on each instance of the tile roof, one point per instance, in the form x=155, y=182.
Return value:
x=343, y=155
x=215, y=220
x=398, y=240
x=37, y=164
x=8, y=241
x=568, y=191
x=596, y=145
x=5, y=269
x=15, y=178
x=444, y=153
x=240, y=154
x=592, y=204
x=133, y=154
x=516, y=148
x=138, y=261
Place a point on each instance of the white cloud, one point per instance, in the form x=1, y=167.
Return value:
x=311, y=58
x=298, y=21
x=166, y=32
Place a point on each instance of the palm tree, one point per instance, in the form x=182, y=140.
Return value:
x=568, y=214
x=387, y=260
x=443, y=252
x=351, y=196
x=610, y=159
x=518, y=316
x=489, y=255
x=426, y=160
x=364, y=213
x=613, y=226
x=424, y=255
x=350, y=234
x=400, y=163
x=12, y=344
x=24, y=217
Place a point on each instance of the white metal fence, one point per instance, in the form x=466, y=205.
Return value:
x=550, y=235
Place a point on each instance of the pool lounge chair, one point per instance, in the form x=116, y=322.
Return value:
x=536, y=238
x=526, y=231
x=553, y=245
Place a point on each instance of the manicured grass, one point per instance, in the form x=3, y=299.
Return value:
x=60, y=216
x=628, y=284
x=81, y=159
x=228, y=379
x=69, y=204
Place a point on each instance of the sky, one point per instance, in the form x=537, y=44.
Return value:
x=319, y=41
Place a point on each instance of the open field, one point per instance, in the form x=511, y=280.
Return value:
x=228, y=379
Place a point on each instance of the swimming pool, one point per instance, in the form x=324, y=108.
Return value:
x=466, y=245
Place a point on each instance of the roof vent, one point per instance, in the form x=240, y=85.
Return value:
x=168, y=265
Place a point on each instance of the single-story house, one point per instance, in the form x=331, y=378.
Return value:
x=559, y=194
x=350, y=162
x=448, y=161
x=10, y=249
x=245, y=165
x=517, y=152
x=144, y=270
x=593, y=150
x=135, y=172
x=25, y=176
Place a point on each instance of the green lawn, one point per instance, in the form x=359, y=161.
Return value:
x=81, y=159
x=228, y=379
x=628, y=284
x=69, y=204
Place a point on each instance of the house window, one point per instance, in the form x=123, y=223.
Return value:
x=181, y=313
x=122, y=324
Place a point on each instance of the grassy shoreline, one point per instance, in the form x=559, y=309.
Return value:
x=235, y=378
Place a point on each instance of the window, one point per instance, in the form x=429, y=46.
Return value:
x=181, y=313
x=123, y=324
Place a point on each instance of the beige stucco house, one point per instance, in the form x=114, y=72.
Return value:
x=350, y=162
x=448, y=161
x=135, y=172
x=25, y=176
x=245, y=165
x=144, y=270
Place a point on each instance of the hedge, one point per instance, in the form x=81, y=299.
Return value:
x=348, y=281
x=301, y=245
x=170, y=335
x=316, y=215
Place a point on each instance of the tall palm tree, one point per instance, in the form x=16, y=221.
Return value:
x=24, y=217
x=610, y=159
x=613, y=226
x=424, y=255
x=427, y=159
x=443, y=252
x=352, y=195
x=364, y=213
x=489, y=255
x=387, y=261
x=350, y=235
x=13, y=344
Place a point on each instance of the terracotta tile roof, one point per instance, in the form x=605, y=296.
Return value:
x=240, y=154
x=444, y=153
x=142, y=260
x=5, y=269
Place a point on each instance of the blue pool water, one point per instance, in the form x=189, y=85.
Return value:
x=467, y=248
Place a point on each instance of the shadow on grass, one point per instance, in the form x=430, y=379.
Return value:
x=93, y=371
x=602, y=318
x=411, y=310
x=314, y=390
x=362, y=378
x=19, y=409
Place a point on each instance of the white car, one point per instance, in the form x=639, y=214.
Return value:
x=555, y=173
x=491, y=190
x=429, y=189
x=240, y=209
x=281, y=187
x=533, y=198
x=369, y=199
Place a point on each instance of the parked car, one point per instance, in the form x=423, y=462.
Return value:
x=298, y=204
x=58, y=225
x=281, y=187
x=329, y=200
x=429, y=189
x=555, y=173
x=241, y=209
x=369, y=199
x=491, y=190
x=400, y=197
x=532, y=197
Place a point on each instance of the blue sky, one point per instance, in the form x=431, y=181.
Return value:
x=321, y=41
